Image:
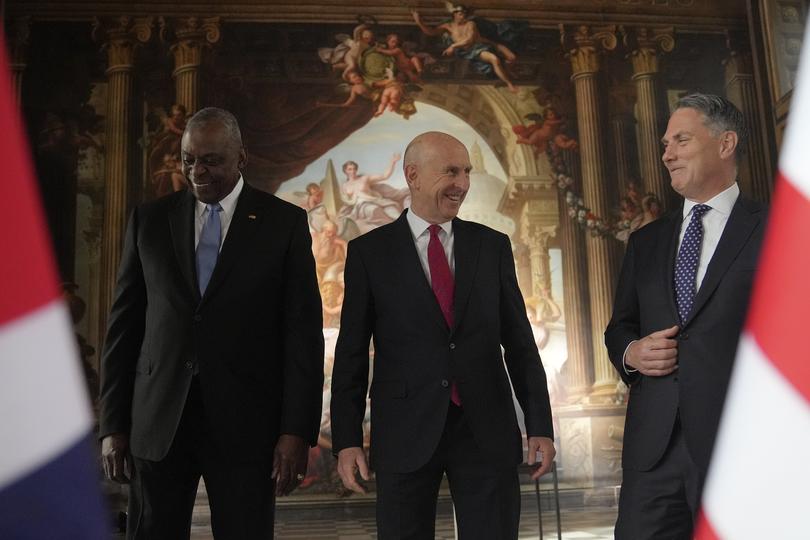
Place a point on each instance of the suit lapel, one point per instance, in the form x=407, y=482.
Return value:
x=412, y=274
x=245, y=222
x=741, y=223
x=181, y=224
x=466, y=246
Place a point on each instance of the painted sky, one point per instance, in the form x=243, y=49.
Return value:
x=373, y=145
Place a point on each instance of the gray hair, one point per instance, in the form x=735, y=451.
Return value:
x=720, y=115
x=215, y=115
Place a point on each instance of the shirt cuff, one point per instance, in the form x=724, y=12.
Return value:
x=624, y=357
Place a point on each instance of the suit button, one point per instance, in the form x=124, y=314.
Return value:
x=198, y=317
x=684, y=336
x=189, y=365
x=452, y=346
x=445, y=383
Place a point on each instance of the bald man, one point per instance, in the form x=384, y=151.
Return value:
x=440, y=298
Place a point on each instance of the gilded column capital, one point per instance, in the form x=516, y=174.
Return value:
x=187, y=37
x=121, y=36
x=583, y=45
x=537, y=235
x=645, y=44
x=18, y=39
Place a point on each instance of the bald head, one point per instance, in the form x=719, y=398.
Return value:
x=437, y=169
x=421, y=147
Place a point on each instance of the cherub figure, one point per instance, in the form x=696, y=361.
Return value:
x=346, y=55
x=314, y=195
x=464, y=40
x=169, y=178
x=545, y=129
x=410, y=65
x=357, y=88
x=176, y=121
x=392, y=93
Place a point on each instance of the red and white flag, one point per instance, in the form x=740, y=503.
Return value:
x=49, y=482
x=760, y=471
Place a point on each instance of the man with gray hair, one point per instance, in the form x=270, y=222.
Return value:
x=213, y=362
x=679, y=309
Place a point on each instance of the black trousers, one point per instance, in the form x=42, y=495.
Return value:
x=661, y=503
x=162, y=493
x=486, y=497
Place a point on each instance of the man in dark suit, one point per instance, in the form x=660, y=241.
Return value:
x=213, y=362
x=680, y=305
x=440, y=297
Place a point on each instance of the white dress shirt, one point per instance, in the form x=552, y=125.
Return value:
x=714, y=222
x=228, y=205
x=421, y=237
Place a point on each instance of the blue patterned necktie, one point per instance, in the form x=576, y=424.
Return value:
x=687, y=264
x=208, y=247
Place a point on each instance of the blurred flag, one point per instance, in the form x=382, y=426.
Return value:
x=48, y=477
x=759, y=477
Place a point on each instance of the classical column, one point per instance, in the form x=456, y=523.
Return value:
x=622, y=137
x=755, y=175
x=120, y=37
x=536, y=237
x=187, y=38
x=644, y=45
x=576, y=302
x=583, y=46
x=18, y=38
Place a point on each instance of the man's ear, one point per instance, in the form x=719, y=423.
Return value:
x=728, y=144
x=411, y=176
x=242, y=158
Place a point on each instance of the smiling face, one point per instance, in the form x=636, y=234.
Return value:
x=438, y=176
x=211, y=161
x=700, y=162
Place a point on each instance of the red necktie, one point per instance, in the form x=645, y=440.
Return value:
x=441, y=280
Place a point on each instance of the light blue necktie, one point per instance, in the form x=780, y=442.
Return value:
x=208, y=247
x=687, y=264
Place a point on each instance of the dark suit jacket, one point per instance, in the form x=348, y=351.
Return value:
x=416, y=354
x=707, y=343
x=256, y=336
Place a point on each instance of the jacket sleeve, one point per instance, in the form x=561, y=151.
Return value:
x=125, y=331
x=624, y=325
x=350, y=371
x=520, y=351
x=303, y=339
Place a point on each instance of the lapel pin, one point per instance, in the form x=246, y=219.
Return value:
x=251, y=216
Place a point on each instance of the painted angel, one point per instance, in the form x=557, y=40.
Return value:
x=346, y=55
x=545, y=129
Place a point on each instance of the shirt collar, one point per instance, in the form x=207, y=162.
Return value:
x=723, y=202
x=228, y=204
x=419, y=226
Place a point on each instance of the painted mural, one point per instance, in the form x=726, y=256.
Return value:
x=561, y=117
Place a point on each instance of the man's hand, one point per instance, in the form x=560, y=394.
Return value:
x=115, y=458
x=655, y=355
x=350, y=460
x=289, y=463
x=545, y=446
